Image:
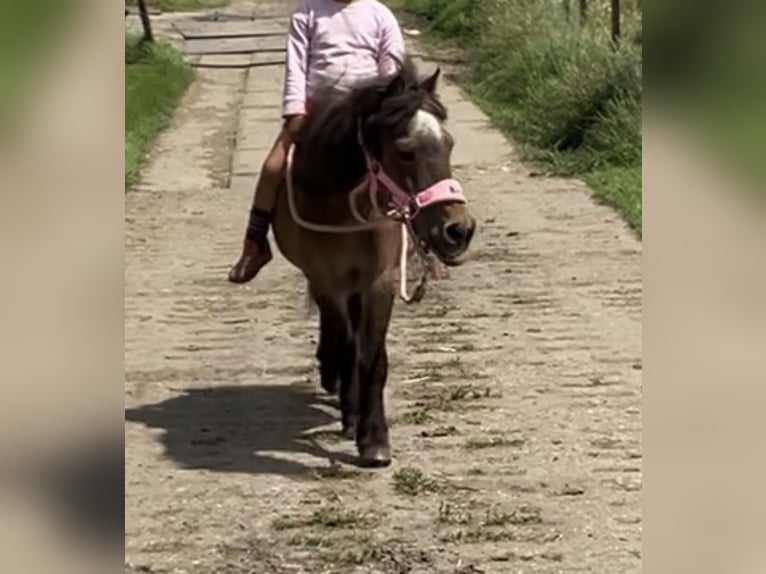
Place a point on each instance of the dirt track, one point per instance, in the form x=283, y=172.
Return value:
x=514, y=394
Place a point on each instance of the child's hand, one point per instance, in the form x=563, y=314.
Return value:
x=294, y=126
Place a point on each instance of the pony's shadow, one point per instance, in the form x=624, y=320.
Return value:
x=257, y=429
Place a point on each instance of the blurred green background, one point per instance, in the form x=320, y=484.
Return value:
x=708, y=70
x=30, y=32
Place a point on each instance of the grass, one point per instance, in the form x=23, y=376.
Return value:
x=337, y=472
x=564, y=92
x=156, y=79
x=449, y=397
x=521, y=524
x=453, y=514
x=182, y=5
x=522, y=515
x=454, y=369
x=617, y=187
x=418, y=416
x=324, y=518
x=439, y=432
x=387, y=556
x=493, y=442
x=311, y=541
x=470, y=392
x=411, y=482
x=459, y=514
x=518, y=525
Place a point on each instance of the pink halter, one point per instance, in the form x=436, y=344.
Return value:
x=402, y=205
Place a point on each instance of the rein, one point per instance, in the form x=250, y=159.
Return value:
x=401, y=207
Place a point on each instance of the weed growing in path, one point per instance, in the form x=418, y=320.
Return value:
x=324, y=518
x=493, y=442
x=411, y=481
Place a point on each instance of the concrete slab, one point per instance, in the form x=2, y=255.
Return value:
x=264, y=100
x=261, y=138
x=247, y=161
x=243, y=186
x=265, y=80
x=190, y=29
x=220, y=60
x=262, y=114
x=269, y=44
x=258, y=60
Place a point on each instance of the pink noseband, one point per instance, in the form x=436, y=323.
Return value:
x=399, y=204
x=440, y=192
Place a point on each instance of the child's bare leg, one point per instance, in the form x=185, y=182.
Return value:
x=256, y=251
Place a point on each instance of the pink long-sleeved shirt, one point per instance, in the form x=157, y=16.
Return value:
x=338, y=43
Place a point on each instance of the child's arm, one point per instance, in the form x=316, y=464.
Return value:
x=391, y=50
x=294, y=102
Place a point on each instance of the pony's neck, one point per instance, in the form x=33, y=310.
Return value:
x=330, y=171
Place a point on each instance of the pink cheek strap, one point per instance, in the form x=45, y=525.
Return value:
x=444, y=191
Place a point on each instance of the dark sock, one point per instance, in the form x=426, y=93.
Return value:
x=258, y=226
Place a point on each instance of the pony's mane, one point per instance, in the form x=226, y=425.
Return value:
x=329, y=158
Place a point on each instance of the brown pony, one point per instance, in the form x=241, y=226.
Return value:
x=391, y=137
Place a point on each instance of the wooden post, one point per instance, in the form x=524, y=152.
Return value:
x=615, y=22
x=143, y=12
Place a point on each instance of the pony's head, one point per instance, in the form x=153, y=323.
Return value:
x=401, y=124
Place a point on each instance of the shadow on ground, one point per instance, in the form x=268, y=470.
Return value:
x=248, y=429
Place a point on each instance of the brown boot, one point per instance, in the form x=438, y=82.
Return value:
x=253, y=258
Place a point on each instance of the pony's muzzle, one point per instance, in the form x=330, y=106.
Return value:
x=455, y=233
x=456, y=238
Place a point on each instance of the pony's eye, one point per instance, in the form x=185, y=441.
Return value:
x=406, y=156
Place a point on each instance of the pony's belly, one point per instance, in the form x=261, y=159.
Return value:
x=336, y=261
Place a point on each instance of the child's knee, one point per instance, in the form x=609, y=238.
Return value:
x=274, y=165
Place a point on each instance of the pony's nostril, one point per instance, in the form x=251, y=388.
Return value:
x=471, y=231
x=455, y=233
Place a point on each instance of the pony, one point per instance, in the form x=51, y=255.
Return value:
x=369, y=175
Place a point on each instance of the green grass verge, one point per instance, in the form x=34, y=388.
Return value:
x=561, y=90
x=156, y=79
x=620, y=187
x=182, y=5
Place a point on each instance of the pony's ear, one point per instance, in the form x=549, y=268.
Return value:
x=396, y=85
x=429, y=84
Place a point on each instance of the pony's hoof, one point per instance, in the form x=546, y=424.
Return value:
x=330, y=385
x=375, y=457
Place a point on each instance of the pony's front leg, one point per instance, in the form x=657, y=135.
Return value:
x=349, y=390
x=332, y=347
x=372, y=431
x=336, y=353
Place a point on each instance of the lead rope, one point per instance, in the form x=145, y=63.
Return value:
x=319, y=227
x=407, y=232
x=420, y=289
